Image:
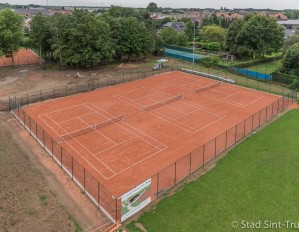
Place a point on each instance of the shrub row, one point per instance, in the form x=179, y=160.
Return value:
x=283, y=78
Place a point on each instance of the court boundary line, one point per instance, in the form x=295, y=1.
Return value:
x=83, y=147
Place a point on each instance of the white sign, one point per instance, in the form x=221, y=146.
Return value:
x=133, y=201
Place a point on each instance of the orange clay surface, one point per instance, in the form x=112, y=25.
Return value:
x=22, y=57
x=145, y=140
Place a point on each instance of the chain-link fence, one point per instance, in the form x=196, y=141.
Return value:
x=160, y=182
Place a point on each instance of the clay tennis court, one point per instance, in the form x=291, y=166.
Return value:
x=22, y=57
x=159, y=130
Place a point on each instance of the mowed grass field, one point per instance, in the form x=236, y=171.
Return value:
x=266, y=68
x=256, y=181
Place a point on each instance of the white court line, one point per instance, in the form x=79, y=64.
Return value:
x=62, y=109
x=189, y=103
x=196, y=130
x=232, y=95
x=134, y=135
x=220, y=99
x=132, y=91
x=99, y=132
x=140, y=161
x=145, y=97
x=75, y=118
x=110, y=148
x=254, y=101
x=84, y=148
x=134, y=129
x=76, y=151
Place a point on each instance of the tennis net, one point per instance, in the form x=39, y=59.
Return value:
x=91, y=128
x=158, y=104
x=208, y=87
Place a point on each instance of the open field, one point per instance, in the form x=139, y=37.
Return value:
x=258, y=180
x=266, y=68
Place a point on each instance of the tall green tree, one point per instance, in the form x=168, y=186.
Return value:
x=189, y=31
x=291, y=60
x=153, y=7
x=290, y=41
x=40, y=34
x=169, y=36
x=86, y=41
x=11, y=34
x=58, y=25
x=213, y=33
x=136, y=39
x=182, y=39
x=254, y=37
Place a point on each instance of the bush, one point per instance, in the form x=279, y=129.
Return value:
x=284, y=78
x=295, y=84
x=213, y=46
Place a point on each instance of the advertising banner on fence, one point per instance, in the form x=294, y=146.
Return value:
x=135, y=200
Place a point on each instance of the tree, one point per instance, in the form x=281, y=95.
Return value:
x=186, y=19
x=130, y=37
x=291, y=61
x=290, y=41
x=182, y=39
x=254, y=37
x=213, y=33
x=40, y=34
x=153, y=7
x=169, y=36
x=11, y=34
x=58, y=25
x=189, y=31
x=86, y=40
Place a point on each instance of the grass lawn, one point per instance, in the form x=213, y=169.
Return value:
x=258, y=180
x=266, y=68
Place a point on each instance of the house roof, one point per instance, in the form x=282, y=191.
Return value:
x=178, y=26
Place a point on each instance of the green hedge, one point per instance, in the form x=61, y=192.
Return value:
x=213, y=46
x=283, y=78
x=249, y=63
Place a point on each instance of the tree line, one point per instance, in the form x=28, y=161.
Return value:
x=82, y=39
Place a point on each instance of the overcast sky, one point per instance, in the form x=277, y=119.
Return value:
x=273, y=4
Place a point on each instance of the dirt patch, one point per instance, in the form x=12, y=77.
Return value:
x=36, y=195
x=35, y=77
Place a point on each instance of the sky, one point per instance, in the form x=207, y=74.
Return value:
x=273, y=4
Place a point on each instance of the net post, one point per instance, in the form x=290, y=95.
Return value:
x=260, y=116
x=115, y=209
